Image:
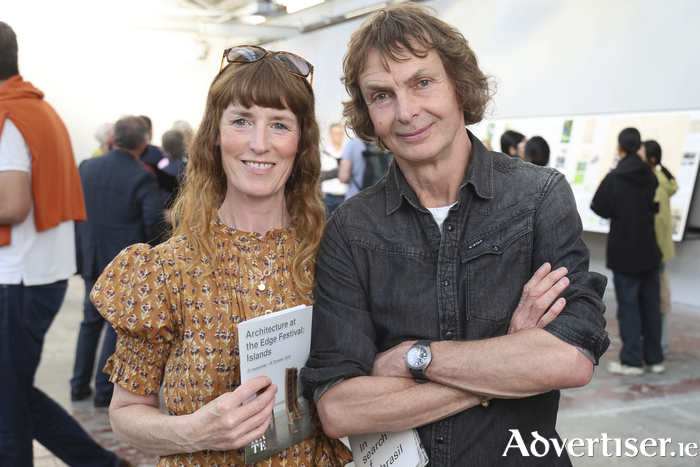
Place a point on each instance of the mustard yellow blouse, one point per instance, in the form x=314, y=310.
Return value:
x=179, y=330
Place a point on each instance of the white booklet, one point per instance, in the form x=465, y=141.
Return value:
x=395, y=449
x=277, y=345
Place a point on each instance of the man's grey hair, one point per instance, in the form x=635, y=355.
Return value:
x=184, y=128
x=103, y=131
x=130, y=132
x=173, y=144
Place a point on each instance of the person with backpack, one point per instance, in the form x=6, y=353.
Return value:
x=362, y=164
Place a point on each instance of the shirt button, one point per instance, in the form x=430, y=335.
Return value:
x=449, y=335
x=445, y=283
x=593, y=339
x=450, y=227
x=495, y=248
x=440, y=440
x=432, y=234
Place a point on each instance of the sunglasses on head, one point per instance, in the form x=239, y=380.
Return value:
x=252, y=53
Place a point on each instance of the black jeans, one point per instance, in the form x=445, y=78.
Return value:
x=26, y=413
x=639, y=316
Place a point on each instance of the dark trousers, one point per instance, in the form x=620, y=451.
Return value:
x=26, y=413
x=332, y=202
x=86, y=350
x=639, y=317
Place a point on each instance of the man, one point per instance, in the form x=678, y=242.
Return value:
x=332, y=187
x=626, y=197
x=352, y=165
x=123, y=205
x=175, y=150
x=40, y=199
x=152, y=155
x=439, y=252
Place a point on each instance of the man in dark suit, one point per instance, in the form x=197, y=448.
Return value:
x=124, y=205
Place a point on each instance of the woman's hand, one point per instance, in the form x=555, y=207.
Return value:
x=223, y=424
x=227, y=423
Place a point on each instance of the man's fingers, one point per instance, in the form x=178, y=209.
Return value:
x=540, y=274
x=553, y=312
x=546, y=283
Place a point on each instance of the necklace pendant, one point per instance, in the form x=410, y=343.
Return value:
x=261, y=287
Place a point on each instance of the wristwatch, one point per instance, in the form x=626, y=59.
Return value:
x=417, y=360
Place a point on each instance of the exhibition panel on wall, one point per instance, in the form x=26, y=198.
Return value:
x=584, y=149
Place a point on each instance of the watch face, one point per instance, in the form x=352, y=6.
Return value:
x=416, y=356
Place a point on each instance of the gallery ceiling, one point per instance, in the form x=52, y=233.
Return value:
x=248, y=21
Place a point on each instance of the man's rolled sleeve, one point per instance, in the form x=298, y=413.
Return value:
x=343, y=335
x=558, y=239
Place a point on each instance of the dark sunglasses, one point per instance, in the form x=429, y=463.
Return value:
x=252, y=53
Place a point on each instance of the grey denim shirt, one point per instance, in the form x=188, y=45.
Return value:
x=386, y=274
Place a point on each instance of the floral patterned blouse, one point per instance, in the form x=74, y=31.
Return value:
x=180, y=330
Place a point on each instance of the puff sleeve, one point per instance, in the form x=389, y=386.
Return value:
x=135, y=295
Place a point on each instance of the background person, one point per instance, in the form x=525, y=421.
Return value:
x=352, y=166
x=513, y=144
x=650, y=152
x=105, y=136
x=626, y=197
x=40, y=200
x=247, y=228
x=152, y=155
x=537, y=151
x=332, y=188
x=186, y=130
x=123, y=205
x=175, y=150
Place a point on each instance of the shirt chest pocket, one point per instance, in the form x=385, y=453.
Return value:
x=495, y=267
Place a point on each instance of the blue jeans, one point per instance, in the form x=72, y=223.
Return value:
x=26, y=413
x=639, y=317
x=88, y=338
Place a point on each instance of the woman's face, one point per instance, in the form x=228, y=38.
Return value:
x=521, y=149
x=258, y=147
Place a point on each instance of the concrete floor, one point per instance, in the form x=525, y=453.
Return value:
x=650, y=406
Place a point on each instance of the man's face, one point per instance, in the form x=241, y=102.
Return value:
x=336, y=134
x=413, y=106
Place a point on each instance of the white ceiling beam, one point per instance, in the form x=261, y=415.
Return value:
x=216, y=29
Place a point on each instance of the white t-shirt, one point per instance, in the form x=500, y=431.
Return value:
x=440, y=214
x=32, y=258
x=330, y=159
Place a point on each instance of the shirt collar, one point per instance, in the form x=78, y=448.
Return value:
x=479, y=175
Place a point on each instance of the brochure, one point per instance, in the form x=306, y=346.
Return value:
x=277, y=345
x=395, y=449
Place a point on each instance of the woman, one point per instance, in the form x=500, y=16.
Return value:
x=246, y=230
x=650, y=152
x=537, y=151
x=513, y=144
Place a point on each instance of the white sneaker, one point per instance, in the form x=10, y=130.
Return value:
x=617, y=368
x=658, y=368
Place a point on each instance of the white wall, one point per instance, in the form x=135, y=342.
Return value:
x=553, y=57
x=92, y=70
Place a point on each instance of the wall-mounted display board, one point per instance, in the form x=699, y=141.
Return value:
x=584, y=149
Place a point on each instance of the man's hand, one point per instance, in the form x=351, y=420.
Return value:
x=538, y=294
x=391, y=362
